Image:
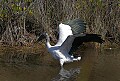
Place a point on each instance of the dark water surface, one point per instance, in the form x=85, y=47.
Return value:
x=96, y=65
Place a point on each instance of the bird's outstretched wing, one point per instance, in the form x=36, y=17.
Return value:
x=64, y=32
x=77, y=26
x=88, y=38
x=67, y=44
x=70, y=27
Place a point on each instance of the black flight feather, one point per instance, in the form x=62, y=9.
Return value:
x=88, y=38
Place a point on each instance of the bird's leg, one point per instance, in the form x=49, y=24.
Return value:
x=72, y=56
x=61, y=62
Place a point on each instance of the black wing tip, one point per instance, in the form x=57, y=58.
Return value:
x=93, y=38
x=100, y=40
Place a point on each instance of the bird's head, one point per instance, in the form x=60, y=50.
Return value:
x=42, y=36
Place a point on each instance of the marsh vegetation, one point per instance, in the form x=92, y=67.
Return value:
x=21, y=22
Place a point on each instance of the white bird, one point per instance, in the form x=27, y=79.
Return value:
x=69, y=33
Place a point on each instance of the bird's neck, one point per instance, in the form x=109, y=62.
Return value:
x=48, y=42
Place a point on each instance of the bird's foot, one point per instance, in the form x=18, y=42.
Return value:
x=72, y=56
x=79, y=58
x=61, y=62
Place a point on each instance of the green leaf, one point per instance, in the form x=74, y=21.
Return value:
x=91, y=0
x=119, y=4
x=17, y=0
x=28, y=0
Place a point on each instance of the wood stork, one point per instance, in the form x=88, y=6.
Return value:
x=71, y=36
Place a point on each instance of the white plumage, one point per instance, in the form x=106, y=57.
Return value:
x=61, y=50
x=64, y=32
x=71, y=36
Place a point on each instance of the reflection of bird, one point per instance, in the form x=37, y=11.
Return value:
x=71, y=36
x=66, y=74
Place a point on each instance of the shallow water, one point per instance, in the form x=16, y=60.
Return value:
x=96, y=65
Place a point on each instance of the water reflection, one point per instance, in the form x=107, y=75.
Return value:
x=16, y=66
x=94, y=66
x=106, y=66
x=65, y=75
